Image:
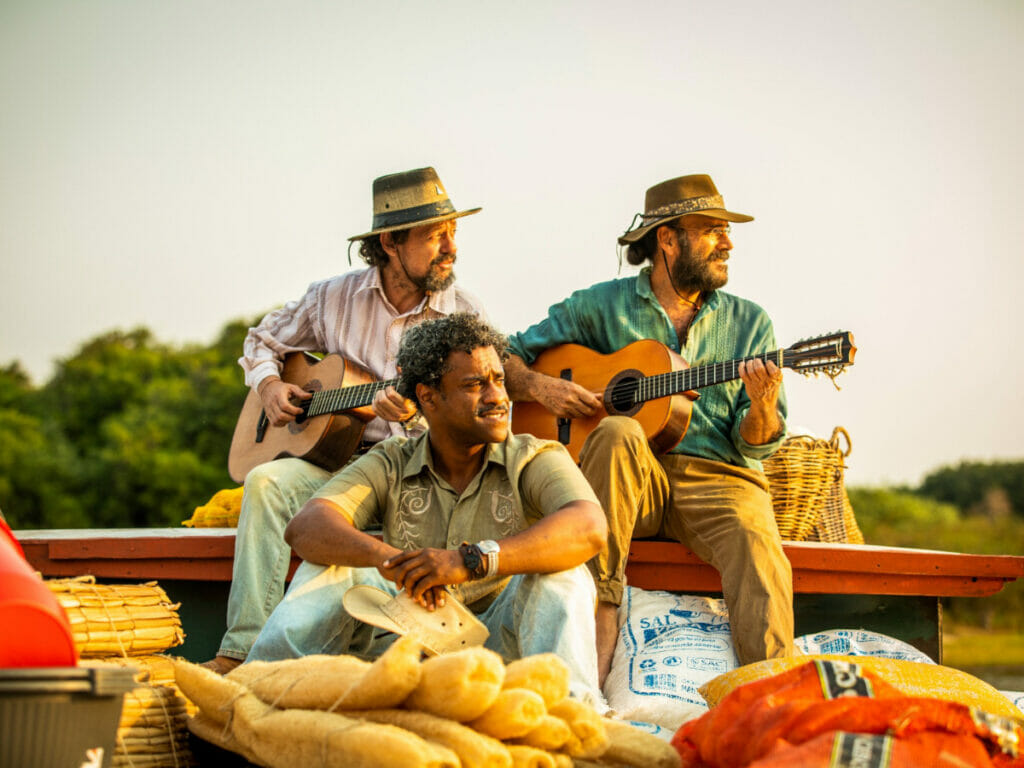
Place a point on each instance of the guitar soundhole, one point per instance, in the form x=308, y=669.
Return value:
x=620, y=395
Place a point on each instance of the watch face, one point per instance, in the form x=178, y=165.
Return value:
x=471, y=559
x=488, y=547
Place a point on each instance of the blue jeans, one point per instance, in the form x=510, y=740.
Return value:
x=274, y=493
x=536, y=613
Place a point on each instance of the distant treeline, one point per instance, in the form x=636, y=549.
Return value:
x=131, y=432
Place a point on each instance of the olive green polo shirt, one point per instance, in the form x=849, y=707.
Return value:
x=394, y=487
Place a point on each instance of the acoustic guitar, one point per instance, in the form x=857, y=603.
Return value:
x=654, y=385
x=328, y=430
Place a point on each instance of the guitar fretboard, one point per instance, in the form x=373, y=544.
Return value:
x=674, y=382
x=345, y=398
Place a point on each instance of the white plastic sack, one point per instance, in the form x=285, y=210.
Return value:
x=668, y=646
x=859, y=642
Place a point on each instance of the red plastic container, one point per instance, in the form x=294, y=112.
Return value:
x=34, y=630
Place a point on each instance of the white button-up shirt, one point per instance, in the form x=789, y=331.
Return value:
x=348, y=315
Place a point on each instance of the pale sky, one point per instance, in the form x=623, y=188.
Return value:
x=176, y=165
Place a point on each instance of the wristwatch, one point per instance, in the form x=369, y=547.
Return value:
x=474, y=560
x=490, y=550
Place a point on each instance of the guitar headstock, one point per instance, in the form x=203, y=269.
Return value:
x=829, y=354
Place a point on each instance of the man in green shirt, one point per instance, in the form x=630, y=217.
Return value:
x=532, y=515
x=708, y=492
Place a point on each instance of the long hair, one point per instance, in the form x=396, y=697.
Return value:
x=373, y=253
x=644, y=249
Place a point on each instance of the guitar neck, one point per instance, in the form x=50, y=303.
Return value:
x=345, y=398
x=674, y=382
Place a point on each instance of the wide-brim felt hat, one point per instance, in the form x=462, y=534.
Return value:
x=451, y=627
x=676, y=198
x=410, y=199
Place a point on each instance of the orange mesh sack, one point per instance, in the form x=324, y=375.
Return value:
x=839, y=748
x=760, y=720
x=911, y=678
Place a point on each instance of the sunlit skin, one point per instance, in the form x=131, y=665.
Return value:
x=467, y=410
x=425, y=262
x=698, y=248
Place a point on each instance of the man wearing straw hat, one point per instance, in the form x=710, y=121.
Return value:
x=360, y=315
x=708, y=492
x=506, y=522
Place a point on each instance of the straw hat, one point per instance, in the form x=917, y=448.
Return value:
x=678, y=197
x=410, y=199
x=449, y=628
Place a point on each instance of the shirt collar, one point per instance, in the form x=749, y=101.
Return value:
x=422, y=458
x=442, y=302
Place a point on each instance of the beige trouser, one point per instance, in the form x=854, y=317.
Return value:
x=721, y=512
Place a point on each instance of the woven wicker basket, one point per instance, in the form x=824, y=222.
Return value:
x=805, y=478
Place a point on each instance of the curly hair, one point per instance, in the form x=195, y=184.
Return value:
x=423, y=354
x=373, y=253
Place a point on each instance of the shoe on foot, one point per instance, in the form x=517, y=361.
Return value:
x=221, y=664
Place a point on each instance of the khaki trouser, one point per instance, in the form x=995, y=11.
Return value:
x=721, y=512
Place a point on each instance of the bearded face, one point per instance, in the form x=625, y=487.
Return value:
x=701, y=267
x=439, y=275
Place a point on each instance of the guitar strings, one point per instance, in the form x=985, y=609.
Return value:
x=670, y=382
x=345, y=398
x=644, y=388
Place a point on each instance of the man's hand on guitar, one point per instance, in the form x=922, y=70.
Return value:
x=277, y=397
x=762, y=423
x=762, y=381
x=391, y=406
x=561, y=397
x=564, y=398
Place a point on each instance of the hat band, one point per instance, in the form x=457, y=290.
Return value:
x=412, y=215
x=689, y=205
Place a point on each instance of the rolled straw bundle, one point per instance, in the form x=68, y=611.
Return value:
x=118, y=619
x=152, y=732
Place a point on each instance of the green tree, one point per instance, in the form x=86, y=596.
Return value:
x=899, y=518
x=129, y=432
x=16, y=389
x=972, y=484
x=38, y=474
x=106, y=375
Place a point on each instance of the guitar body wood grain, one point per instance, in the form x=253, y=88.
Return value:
x=327, y=440
x=664, y=420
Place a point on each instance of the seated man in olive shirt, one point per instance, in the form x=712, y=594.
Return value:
x=467, y=479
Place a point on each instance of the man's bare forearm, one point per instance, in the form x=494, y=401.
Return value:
x=520, y=380
x=761, y=424
x=321, y=534
x=559, y=541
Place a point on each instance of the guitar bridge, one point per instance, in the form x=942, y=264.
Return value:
x=564, y=424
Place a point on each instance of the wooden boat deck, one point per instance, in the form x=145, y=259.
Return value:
x=891, y=590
